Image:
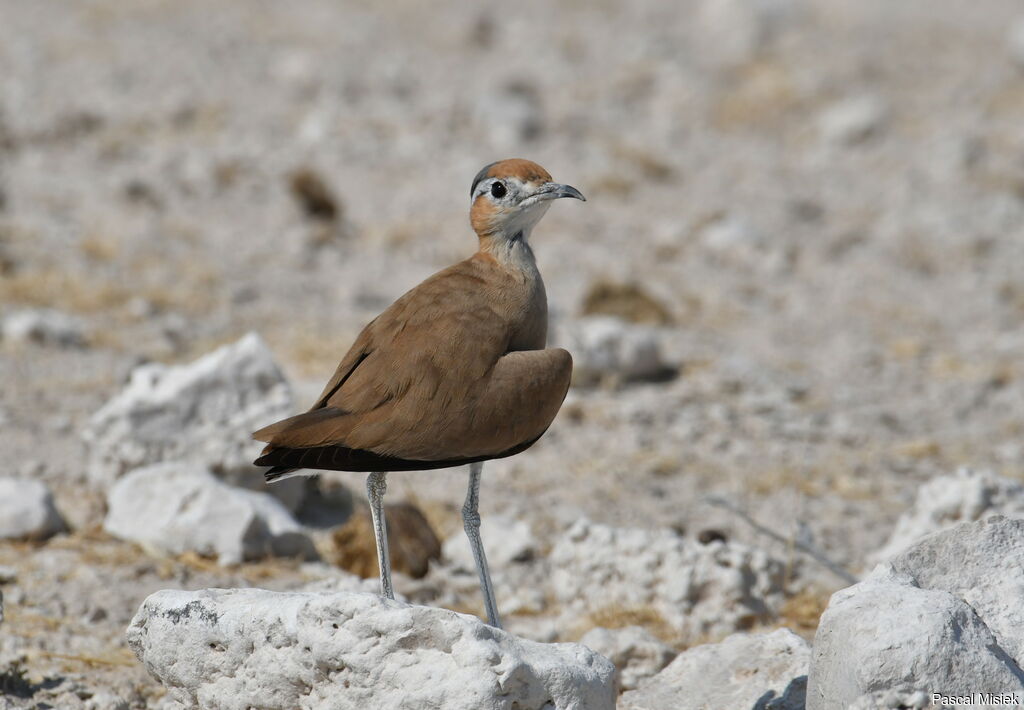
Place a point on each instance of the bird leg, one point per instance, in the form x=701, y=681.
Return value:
x=376, y=486
x=471, y=523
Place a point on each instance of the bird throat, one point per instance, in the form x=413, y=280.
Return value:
x=512, y=251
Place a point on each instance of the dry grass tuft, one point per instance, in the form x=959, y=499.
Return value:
x=99, y=247
x=611, y=185
x=470, y=609
x=444, y=516
x=14, y=681
x=70, y=291
x=761, y=93
x=96, y=548
x=807, y=481
x=116, y=657
x=650, y=166
x=919, y=449
x=412, y=543
x=270, y=568
x=183, y=285
x=802, y=611
x=315, y=198
x=619, y=617
x=628, y=301
x=313, y=351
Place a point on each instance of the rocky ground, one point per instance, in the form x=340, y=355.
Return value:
x=794, y=296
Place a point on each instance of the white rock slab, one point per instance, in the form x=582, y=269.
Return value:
x=731, y=33
x=203, y=412
x=606, y=347
x=944, y=616
x=27, y=511
x=699, y=590
x=43, y=326
x=1015, y=42
x=233, y=649
x=506, y=542
x=764, y=671
x=171, y=508
x=944, y=501
x=853, y=120
x=636, y=653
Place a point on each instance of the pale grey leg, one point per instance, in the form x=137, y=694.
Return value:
x=471, y=523
x=376, y=486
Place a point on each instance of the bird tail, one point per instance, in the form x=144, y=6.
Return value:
x=279, y=473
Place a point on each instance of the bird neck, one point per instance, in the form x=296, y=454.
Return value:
x=511, y=251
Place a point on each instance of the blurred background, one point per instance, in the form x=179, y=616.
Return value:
x=796, y=291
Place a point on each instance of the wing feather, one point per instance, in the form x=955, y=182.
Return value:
x=429, y=382
x=412, y=362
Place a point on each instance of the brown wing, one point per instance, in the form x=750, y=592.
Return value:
x=429, y=380
x=400, y=350
x=511, y=408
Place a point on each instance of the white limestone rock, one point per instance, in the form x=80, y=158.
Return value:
x=734, y=241
x=510, y=545
x=232, y=649
x=944, y=501
x=27, y=511
x=765, y=671
x=512, y=112
x=507, y=541
x=43, y=326
x=943, y=616
x=894, y=700
x=204, y=412
x=636, y=653
x=1015, y=42
x=731, y=33
x=852, y=120
x=732, y=234
x=332, y=579
x=609, y=348
x=106, y=701
x=699, y=590
x=171, y=508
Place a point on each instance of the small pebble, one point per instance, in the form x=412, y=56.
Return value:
x=706, y=537
x=852, y=120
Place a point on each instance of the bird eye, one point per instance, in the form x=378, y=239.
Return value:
x=498, y=189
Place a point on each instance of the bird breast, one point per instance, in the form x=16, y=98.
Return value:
x=509, y=267
x=529, y=317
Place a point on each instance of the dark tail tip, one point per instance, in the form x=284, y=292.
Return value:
x=277, y=473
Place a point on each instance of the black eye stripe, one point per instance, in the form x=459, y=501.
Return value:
x=498, y=189
x=482, y=175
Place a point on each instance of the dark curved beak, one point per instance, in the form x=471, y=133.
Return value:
x=553, y=190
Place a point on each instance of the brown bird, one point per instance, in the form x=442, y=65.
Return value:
x=454, y=372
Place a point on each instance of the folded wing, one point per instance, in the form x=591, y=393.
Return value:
x=429, y=383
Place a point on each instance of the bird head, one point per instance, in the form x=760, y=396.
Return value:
x=510, y=196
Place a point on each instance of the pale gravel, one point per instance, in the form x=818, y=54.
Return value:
x=848, y=316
